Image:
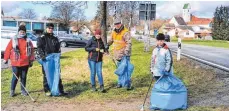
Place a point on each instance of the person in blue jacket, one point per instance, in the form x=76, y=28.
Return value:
x=96, y=49
x=161, y=60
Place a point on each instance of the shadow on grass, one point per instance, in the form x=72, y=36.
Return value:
x=65, y=57
x=76, y=88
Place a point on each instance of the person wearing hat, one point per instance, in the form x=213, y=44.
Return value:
x=121, y=40
x=96, y=49
x=161, y=61
x=20, y=51
x=47, y=44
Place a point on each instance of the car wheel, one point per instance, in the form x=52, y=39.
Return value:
x=63, y=44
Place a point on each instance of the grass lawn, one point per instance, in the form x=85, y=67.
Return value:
x=75, y=77
x=213, y=43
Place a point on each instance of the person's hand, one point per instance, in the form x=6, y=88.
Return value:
x=166, y=72
x=97, y=49
x=43, y=58
x=30, y=64
x=5, y=61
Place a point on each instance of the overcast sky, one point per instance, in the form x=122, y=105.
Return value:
x=165, y=9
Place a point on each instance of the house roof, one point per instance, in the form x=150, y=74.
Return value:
x=180, y=20
x=199, y=21
x=169, y=25
x=185, y=28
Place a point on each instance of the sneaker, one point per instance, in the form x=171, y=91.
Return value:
x=102, y=89
x=93, y=88
x=24, y=93
x=119, y=86
x=128, y=88
x=47, y=94
x=12, y=93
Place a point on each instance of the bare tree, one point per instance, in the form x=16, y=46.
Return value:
x=156, y=24
x=65, y=12
x=126, y=10
x=27, y=14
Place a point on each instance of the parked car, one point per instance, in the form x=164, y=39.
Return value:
x=72, y=40
x=7, y=35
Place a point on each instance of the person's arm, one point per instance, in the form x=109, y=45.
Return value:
x=88, y=46
x=58, y=45
x=127, y=39
x=169, y=61
x=110, y=41
x=40, y=48
x=8, y=51
x=32, y=57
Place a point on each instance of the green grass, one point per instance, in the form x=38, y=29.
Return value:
x=75, y=76
x=213, y=43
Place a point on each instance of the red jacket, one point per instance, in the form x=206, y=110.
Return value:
x=24, y=59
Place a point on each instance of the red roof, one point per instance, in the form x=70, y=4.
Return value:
x=199, y=21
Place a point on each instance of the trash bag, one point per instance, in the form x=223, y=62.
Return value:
x=52, y=70
x=124, y=71
x=168, y=93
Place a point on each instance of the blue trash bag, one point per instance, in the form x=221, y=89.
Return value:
x=52, y=70
x=168, y=93
x=124, y=71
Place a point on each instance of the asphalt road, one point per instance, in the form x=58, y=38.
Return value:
x=215, y=55
x=63, y=50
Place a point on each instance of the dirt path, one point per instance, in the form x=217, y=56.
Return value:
x=130, y=105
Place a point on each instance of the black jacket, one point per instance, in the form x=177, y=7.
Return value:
x=91, y=46
x=47, y=44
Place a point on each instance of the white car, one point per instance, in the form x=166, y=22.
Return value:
x=7, y=35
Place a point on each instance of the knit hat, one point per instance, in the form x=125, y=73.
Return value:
x=160, y=36
x=49, y=25
x=117, y=21
x=22, y=27
x=98, y=32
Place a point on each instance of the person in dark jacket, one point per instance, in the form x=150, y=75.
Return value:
x=96, y=49
x=47, y=44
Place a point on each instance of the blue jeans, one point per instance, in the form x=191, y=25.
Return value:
x=20, y=72
x=119, y=77
x=96, y=67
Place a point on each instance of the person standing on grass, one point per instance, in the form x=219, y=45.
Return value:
x=161, y=61
x=121, y=40
x=20, y=51
x=162, y=94
x=48, y=44
x=96, y=49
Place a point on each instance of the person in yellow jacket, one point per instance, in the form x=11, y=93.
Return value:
x=121, y=40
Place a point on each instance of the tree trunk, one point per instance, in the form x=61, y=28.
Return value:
x=103, y=8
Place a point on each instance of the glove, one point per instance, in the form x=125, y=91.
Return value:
x=128, y=57
x=5, y=61
x=165, y=72
x=43, y=58
x=97, y=49
x=106, y=49
x=30, y=64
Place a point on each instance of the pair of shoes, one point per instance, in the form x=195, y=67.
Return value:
x=119, y=86
x=47, y=93
x=63, y=94
x=24, y=93
x=101, y=89
x=93, y=88
x=12, y=93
